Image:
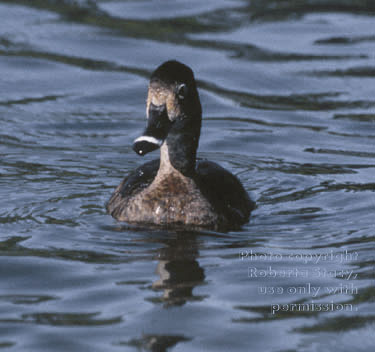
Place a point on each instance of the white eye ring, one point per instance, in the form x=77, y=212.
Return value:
x=182, y=91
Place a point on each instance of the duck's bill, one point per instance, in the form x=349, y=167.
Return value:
x=156, y=132
x=146, y=144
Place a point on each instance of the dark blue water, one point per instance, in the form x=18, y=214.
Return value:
x=287, y=89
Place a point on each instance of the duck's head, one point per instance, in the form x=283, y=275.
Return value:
x=173, y=110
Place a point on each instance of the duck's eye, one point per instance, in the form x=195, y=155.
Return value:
x=182, y=91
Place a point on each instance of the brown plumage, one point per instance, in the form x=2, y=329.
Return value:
x=178, y=190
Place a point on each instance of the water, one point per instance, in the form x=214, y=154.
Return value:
x=287, y=89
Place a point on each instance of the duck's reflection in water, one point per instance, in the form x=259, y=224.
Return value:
x=157, y=343
x=179, y=273
x=179, y=270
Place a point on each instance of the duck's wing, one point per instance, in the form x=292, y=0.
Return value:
x=224, y=191
x=135, y=182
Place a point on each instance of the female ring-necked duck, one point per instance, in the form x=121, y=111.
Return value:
x=178, y=190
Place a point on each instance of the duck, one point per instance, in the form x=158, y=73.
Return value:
x=178, y=190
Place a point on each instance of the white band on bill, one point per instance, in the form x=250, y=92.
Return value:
x=149, y=139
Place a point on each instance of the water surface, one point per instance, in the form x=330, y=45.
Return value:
x=287, y=89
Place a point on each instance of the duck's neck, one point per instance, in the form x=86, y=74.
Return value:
x=165, y=167
x=180, y=149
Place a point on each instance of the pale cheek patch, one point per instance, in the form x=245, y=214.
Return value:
x=172, y=107
x=156, y=96
x=160, y=96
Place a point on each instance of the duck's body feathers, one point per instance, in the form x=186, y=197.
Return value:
x=178, y=190
x=213, y=194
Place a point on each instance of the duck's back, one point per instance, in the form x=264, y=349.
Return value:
x=225, y=193
x=134, y=183
x=216, y=191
